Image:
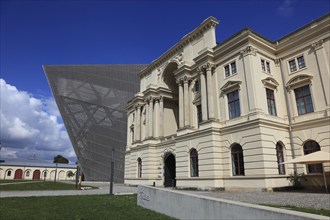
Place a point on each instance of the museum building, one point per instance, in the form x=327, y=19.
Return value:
x=226, y=115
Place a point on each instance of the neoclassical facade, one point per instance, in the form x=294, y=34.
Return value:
x=226, y=115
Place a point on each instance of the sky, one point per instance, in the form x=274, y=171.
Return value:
x=36, y=33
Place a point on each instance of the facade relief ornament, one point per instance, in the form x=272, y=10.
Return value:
x=317, y=45
x=249, y=50
x=277, y=62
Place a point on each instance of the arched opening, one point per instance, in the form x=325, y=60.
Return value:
x=280, y=158
x=169, y=171
x=27, y=173
x=139, y=161
x=18, y=174
x=193, y=163
x=237, y=160
x=36, y=175
x=311, y=147
x=171, y=104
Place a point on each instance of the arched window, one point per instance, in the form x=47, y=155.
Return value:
x=139, y=167
x=193, y=163
x=310, y=147
x=280, y=159
x=9, y=173
x=237, y=160
x=27, y=174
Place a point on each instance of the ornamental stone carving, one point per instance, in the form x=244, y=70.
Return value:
x=249, y=50
x=317, y=45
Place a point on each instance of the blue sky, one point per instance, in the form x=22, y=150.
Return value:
x=34, y=33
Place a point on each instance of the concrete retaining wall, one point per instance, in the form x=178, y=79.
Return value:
x=182, y=205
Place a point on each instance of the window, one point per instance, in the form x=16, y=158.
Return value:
x=237, y=160
x=193, y=163
x=27, y=173
x=233, y=104
x=9, y=173
x=230, y=69
x=280, y=159
x=265, y=66
x=139, y=167
x=311, y=147
x=304, y=100
x=271, y=102
x=45, y=174
x=293, y=64
x=197, y=86
x=199, y=114
x=133, y=117
x=132, y=134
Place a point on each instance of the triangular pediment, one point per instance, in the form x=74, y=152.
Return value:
x=270, y=82
x=230, y=85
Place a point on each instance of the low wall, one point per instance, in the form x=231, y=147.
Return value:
x=182, y=205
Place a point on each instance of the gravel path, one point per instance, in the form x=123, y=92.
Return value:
x=306, y=200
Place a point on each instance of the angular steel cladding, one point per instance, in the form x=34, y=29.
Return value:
x=92, y=101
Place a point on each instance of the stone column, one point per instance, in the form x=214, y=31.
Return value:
x=191, y=105
x=181, y=119
x=151, y=111
x=203, y=94
x=156, y=119
x=186, y=101
x=146, y=106
x=138, y=124
x=135, y=123
x=209, y=87
x=161, y=116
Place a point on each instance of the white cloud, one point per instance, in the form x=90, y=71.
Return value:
x=286, y=8
x=31, y=126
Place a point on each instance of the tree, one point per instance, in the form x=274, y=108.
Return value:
x=60, y=159
x=70, y=174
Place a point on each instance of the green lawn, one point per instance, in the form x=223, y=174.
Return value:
x=13, y=181
x=75, y=207
x=37, y=185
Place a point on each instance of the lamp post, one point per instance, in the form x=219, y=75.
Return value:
x=112, y=171
x=55, y=173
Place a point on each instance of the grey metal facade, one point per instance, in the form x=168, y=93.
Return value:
x=92, y=101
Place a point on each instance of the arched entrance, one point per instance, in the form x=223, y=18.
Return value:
x=169, y=171
x=36, y=175
x=18, y=174
x=171, y=100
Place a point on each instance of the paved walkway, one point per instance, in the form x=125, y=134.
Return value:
x=308, y=200
x=299, y=199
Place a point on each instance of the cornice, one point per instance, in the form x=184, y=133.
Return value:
x=210, y=22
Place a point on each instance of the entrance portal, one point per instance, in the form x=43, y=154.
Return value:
x=169, y=171
x=18, y=174
x=36, y=175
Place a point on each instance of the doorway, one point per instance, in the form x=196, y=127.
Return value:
x=169, y=171
x=36, y=175
x=18, y=174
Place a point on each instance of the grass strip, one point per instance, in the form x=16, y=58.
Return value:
x=37, y=186
x=76, y=207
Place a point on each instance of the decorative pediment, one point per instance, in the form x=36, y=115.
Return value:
x=230, y=85
x=298, y=81
x=270, y=83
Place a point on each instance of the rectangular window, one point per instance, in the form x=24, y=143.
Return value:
x=304, y=100
x=233, y=68
x=271, y=102
x=197, y=86
x=227, y=71
x=230, y=69
x=233, y=104
x=265, y=66
x=301, y=62
x=297, y=64
x=199, y=114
